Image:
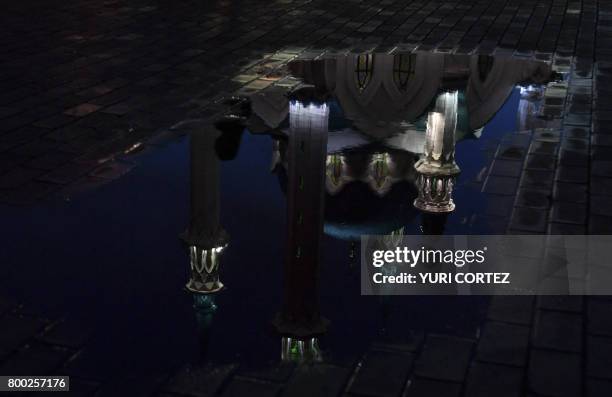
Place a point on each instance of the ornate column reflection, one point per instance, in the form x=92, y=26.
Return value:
x=300, y=318
x=205, y=237
x=437, y=169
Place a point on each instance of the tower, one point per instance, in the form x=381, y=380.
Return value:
x=437, y=170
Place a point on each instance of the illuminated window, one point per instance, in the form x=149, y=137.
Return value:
x=403, y=69
x=485, y=65
x=363, y=70
x=334, y=168
x=380, y=168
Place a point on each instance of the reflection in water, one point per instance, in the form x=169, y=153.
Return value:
x=306, y=152
x=205, y=236
x=360, y=146
x=437, y=168
x=300, y=350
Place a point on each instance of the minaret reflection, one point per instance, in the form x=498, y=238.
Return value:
x=205, y=237
x=300, y=321
x=437, y=169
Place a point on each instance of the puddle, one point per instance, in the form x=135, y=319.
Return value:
x=264, y=213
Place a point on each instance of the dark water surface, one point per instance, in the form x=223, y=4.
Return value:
x=112, y=261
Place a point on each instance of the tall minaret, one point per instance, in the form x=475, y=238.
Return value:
x=306, y=155
x=437, y=169
x=205, y=237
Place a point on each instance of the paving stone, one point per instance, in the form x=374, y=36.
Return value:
x=533, y=198
x=67, y=173
x=486, y=380
x=570, y=192
x=566, y=229
x=599, y=357
x=16, y=330
x=546, y=148
x=503, y=343
x=529, y=220
x=600, y=224
x=382, y=373
x=537, y=179
x=35, y=359
x=27, y=194
x=506, y=168
x=499, y=205
x=572, y=174
x=137, y=386
x=199, y=381
x=317, y=380
x=17, y=177
x=598, y=388
x=82, y=110
x=569, y=213
x=69, y=332
x=540, y=162
x=248, y=388
x=558, y=330
x=554, y=373
x=500, y=185
x=444, y=358
x=511, y=309
x=601, y=168
x=81, y=388
x=599, y=317
x=420, y=387
x=407, y=341
x=573, y=304
x=600, y=205
x=279, y=372
x=573, y=158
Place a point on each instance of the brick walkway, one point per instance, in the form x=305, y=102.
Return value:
x=85, y=83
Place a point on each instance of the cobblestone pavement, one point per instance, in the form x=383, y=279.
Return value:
x=84, y=84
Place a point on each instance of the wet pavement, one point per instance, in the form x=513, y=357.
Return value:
x=108, y=141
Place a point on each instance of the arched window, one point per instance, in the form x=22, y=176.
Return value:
x=334, y=168
x=363, y=70
x=403, y=69
x=485, y=65
x=380, y=168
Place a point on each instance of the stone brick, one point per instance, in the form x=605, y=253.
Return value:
x=503, y=343
x=69, y=333
x=558, y=330
x=569, y=213
x=599, y=317
x=279, y=373
x=316, y=380
x=598, y=388
x=136, y=386
x=382, y=373
x=599, y=357
x=561, y=303
x=420, y=387
x=500, y=185
x=485, y=380
x=444, y=358
x=529, y=219
x=248, y=388
x=199, y=381
x=35, y=359
x=511, y=309
x=16, y=330
x=532, y=198
x=555, y=373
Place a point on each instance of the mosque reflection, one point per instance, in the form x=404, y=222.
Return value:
x=362, y=144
